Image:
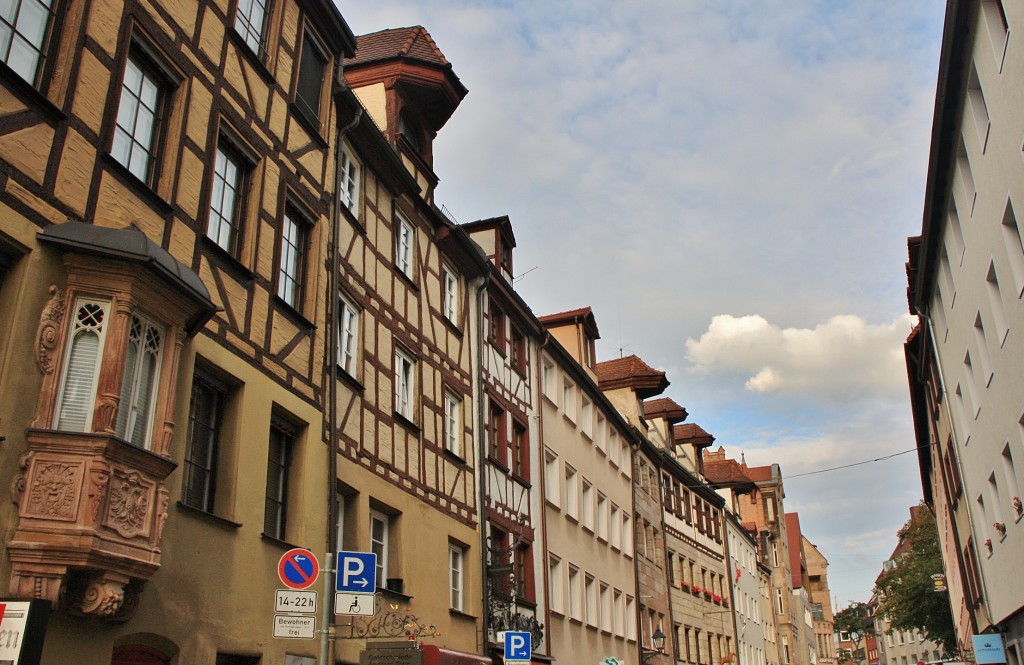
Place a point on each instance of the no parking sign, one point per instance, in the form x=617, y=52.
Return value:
x=298, y=569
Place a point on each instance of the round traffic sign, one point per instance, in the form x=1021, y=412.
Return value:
x=298, y=568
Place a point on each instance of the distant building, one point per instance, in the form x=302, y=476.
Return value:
x=966, y=358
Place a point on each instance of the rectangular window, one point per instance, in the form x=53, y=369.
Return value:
x=606, y=608
x=310, y=84
x=592, y=613
x=81, y=366
x=587, y=505
x=250, y=20
x=586, y=418
x=348, y=337
x=453, y=423
x=575, y=594
x=405, y=246
x=293, y=259
x=627, y=534
x=496, y=332
x=226, y=205
x=205, y=418
x=451, y=295
x=139, y=387
x=569, y=399
x=24, y=30
x=998, y=28
x=497, y=445
x=518, y=351
x=139, y=113
x=1014, y=248
x=555, y=584
x=548, y=379
x=351, y=175
x=455, y=582
x=551, y=476
x=978, y=108
x=614, y=523
x=520, y=451
x=279, y=459
x=571, y=499
x=630, y=618
x=524, y=572
x=602, y=516
x=380, y=525
x=405, y=384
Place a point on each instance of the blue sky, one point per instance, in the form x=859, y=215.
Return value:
x=730, y=186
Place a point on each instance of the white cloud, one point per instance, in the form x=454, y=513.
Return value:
x=845, y=357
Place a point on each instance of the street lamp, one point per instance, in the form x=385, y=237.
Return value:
x=658, y=640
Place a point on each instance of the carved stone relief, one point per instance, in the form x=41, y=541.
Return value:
x=129, y=503
x=49, y=332
x=53, y=490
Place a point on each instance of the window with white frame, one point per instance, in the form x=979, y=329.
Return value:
x=602, y=516
x=250, y=22
x=575, y=594
x=569, y=399
x=591, y=610
x=551, y=476
x=615, y=523
x=294, y=242
x=998, y=29
x=405, y=384
x=601, y=434
x=614, y=448
x=630, y=618
x=451, y=295
x=453, y=423
x=405, y=246
x=351, y=176
x=548, y=376
x=556, y=584
x=571, y=499
x=1014, y=248
x=224, y=225
x=380, y=525
x=586, y=418
x=24, y=32
x=348, y=337
x=139, y=113
x=587, y=505
x=627, y=534
x=606, y=608
x=456, y=555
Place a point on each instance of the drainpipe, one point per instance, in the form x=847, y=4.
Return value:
x=327, y=612
x=481, y=454
x=542, y=471
x=959, y=464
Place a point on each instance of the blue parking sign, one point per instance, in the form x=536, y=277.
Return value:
x=357, y=572
x=517, y=646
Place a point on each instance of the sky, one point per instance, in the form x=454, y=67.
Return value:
x=730, y=186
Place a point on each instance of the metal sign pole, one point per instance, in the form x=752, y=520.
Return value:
x=325, y=613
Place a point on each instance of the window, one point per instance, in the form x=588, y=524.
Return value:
x=1014, y=248
x=293, y=259
x=310, y=84
x=405, y=384
x=548, y=379
x=601, y=434
x=496, y=332
x=592, y=613
x=451, y=295
x=81, y=369
x=998, y=28
x=569, y=399
x=453, y=423
x=497, y=446
x=571, y=499
x=587, y=508
x=616, y=529
x=979, y=110
x=556, y=583
x=518, y=349
x=630, y=619
x=351, y=175
x=205, y=418
x=627, y=534
x=575, y=592
x=551, y=475
x=602, y=516
x=279, y=459
x=606, y=608
x=456, y=554
x=249, y=22
x=966, y=178
x=524, y=572
x=24, y=27
x=348, y=337
x=379, y=526
x=995, y=299
x=520, y=451
x=139, y=114
x=225, y=222
x=586, y=418
x=405, y=246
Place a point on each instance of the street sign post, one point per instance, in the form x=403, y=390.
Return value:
x=517, y=648
x=298, y=568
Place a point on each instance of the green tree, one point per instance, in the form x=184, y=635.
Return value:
x=906, y=595
x=857, y=621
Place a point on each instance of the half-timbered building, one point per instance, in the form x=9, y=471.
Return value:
x=165, y=197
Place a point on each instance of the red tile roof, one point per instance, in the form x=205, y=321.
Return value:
x=631, y=372
x=565, y=318
x=760, y=473
x=665, y=407
x=692, y=434
x=728, y=472
x=413, y=42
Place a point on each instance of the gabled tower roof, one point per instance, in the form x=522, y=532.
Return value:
x=631, y=372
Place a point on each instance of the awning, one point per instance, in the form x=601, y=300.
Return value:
x=435, y=655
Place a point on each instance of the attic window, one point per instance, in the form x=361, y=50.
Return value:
x=408, y=128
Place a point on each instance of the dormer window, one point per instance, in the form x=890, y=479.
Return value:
x=408, y=128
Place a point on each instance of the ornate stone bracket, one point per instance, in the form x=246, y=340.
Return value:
x=388, y=621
